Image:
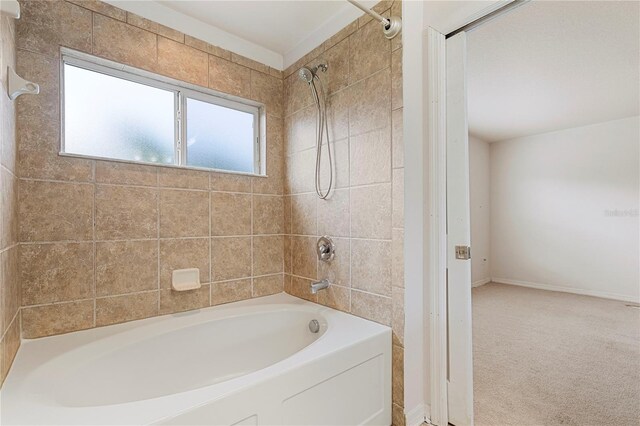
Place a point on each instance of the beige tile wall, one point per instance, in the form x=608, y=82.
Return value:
x=364, y=215
x=99, y=239
x=9, y=284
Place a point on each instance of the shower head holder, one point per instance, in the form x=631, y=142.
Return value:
x=307, y=74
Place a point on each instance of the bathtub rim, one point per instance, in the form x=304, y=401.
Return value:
x=334, y=339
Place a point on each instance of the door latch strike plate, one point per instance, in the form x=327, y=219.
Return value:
x=463, y=252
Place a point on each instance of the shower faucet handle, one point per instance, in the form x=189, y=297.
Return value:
x=326, y=249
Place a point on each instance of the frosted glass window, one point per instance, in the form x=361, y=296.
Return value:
x=219, y=137
x=112, y=111
x=110, y=117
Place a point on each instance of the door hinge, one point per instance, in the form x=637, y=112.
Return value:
x=463, y=252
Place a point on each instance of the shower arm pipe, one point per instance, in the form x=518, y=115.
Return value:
x=384, y=21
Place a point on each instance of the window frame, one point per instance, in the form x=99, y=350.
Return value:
x=182, y=91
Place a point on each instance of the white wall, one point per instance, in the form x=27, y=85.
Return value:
x=479, y=191
x=551, y=201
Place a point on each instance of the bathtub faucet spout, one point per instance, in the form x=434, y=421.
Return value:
x=319, y=285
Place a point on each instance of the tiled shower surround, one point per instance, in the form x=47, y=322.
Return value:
x=98, y=239
x=364, y=215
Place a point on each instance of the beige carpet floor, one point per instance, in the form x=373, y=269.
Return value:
x=549, y=358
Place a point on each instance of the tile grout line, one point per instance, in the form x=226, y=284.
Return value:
x=92, y=27
x=93, y=229
x=142, y=186
x=14, y=318
x=345, y=287
x=349, y=186
x=85, y=299
x=9, y=247
x=119, y=240
x=252, y=241
x=158, y=245
x=210, y=238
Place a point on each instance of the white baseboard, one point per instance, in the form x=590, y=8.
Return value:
x=480, y=282
x=418, y=415
x=573, y=290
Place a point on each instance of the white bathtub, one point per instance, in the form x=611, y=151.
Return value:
x=247, y=363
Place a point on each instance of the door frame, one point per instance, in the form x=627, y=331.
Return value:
x=436, y=196
x=437, y=236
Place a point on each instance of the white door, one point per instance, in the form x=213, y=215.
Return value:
x=460, y=386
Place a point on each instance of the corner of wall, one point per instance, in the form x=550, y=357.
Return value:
x=9, y=282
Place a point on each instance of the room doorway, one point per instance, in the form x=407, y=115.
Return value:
x=542, y=184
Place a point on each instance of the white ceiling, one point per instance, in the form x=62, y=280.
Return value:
x=551, y=65
x=274, y=32
x=276, y=25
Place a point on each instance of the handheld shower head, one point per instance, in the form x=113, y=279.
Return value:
x=305, y=74
x=308, y=74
